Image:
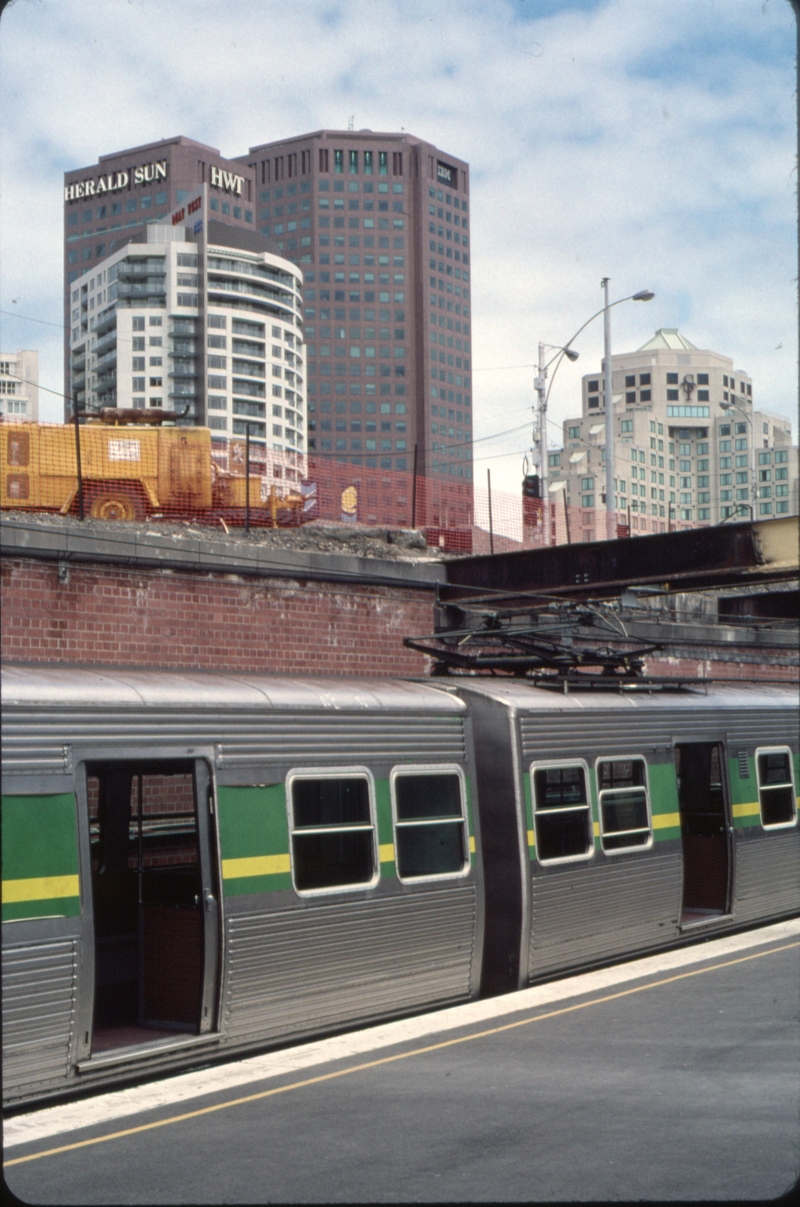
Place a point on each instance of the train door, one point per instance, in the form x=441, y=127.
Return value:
x=705, y=831
x=154, y=901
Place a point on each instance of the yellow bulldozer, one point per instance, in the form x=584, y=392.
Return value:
x=132, y=468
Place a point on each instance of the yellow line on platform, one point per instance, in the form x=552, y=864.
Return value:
x=384, y=1060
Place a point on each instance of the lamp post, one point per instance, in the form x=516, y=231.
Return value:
x=644, y=295
x=728, y=407
x=539, y=385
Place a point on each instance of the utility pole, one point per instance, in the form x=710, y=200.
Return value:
x=539, y=385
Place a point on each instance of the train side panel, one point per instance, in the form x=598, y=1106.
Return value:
x=284, y=957
x=685, y=861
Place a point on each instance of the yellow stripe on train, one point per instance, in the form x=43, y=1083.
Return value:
x=666, y=821
x=257, y=865
x=749, y=809
x=40, y=888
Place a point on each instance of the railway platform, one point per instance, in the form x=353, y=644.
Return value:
x=673, y=1077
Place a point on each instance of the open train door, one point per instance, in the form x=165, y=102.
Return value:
x=706, y=832
x=155, y=917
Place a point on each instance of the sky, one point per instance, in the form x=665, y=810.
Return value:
x=653, y=143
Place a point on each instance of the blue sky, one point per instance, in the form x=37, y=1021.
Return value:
x=653, y=143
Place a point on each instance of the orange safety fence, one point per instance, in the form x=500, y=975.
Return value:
x=136, y=472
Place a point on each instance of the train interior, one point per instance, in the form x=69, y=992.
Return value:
x=704, y=831
x=146, y=896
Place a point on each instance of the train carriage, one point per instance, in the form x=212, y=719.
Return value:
x=619, y=821
x=202, y=864
x=199, y=865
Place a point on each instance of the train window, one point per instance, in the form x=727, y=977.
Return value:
x=429, y=822
x=562, y=814
x=776, y=792
x=333, y=830
x=624, y=804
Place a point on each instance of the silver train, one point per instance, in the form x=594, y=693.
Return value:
x=203, y=865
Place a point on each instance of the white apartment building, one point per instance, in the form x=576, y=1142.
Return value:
x=690, y=447
x=19, y=385
x=199, y=316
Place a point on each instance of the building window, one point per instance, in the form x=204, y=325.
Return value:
x=383, y=164
x=776, y=792
x=623, y=804
x=430, y=828
x=338, y=162
x=352, y=164
x=562, y=814
x=331, y=818
x=672, y=395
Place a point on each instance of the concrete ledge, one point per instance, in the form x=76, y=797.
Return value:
x=134, y=547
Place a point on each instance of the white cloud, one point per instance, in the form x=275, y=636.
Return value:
x=652, y=143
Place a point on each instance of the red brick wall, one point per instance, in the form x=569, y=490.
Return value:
x=108, y=614
x=752, y=666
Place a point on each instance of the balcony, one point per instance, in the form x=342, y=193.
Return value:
x=152, y=288
x=108, y=322
x=137, y=271
x=106, y=383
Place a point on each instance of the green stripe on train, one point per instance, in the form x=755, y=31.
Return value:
x=254, y=838
x=664, y=807
x=40, y=857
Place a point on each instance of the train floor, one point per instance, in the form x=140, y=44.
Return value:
x=675, y=1077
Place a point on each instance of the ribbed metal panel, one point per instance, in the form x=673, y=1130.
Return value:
x=39, y=984
x=767, y=875
x=34, y=740
x=296, y=971
x=597, y=911
x=551, y=735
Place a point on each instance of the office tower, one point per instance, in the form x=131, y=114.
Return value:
x=109, y=203
x=19, y=385
x=198, y=317
x=690, y=447
x=380, y=225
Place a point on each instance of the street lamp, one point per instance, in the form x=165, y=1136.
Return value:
x=539, y=385
x=644, y=295
x=727, y=407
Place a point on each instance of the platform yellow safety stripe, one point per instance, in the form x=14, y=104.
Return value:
x=40, y=888
x=666, y=821
x=257, y=865
x=749, y=809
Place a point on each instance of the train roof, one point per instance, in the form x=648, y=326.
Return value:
x=112, y=687
x=524, y=697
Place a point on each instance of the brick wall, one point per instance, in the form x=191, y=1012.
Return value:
x=167, y=618
x=737, y=666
